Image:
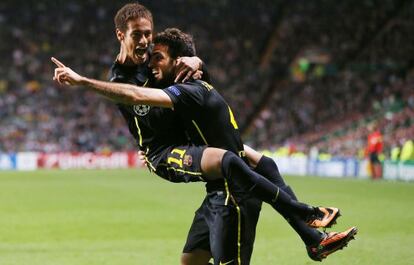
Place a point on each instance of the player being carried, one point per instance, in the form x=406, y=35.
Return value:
x=203, y=113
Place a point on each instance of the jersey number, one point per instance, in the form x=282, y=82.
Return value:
x=178, y=161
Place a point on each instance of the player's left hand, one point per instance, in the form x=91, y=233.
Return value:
x=187, y=67
x=142, y=158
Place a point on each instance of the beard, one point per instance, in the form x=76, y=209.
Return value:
x=166, y=81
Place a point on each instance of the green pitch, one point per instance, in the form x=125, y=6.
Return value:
x=129, y=217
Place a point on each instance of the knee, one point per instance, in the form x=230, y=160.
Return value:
x=229, y=158
x=211, y=162
x=198, y=257
x=186, y=259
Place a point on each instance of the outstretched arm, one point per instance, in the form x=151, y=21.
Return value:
x=121, y=93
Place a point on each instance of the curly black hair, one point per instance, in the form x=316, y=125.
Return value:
x=179, y=43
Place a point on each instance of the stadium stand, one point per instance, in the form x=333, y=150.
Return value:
x=38, y=116
x=290, y=71
x=354, y=71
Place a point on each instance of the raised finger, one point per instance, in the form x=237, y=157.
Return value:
x=57, y=62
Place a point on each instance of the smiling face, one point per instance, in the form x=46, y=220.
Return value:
x=162, y=65
x=136, y=40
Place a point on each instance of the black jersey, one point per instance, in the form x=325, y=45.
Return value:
x=197, y=103
x=154, y=128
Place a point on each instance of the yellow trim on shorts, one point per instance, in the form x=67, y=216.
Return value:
x=185, y=171
x=198, y=174
x=238, y=219
x=226, y=202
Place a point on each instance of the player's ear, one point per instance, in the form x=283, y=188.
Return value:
x=119, y=35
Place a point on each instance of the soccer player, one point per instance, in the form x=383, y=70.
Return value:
x=155, y=128
x=204, y=100
x=150, y=126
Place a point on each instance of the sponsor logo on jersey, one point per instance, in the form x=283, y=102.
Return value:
x=141, y=110
x=188, y=160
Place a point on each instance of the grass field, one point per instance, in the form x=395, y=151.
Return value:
x=125, y=217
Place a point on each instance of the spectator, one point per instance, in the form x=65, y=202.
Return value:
x=374, y=149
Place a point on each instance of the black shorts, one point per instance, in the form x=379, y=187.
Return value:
x=181, y=164
x=227, y=231
x=373, y=157
x=225, y=223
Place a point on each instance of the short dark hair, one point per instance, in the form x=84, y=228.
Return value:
x=131, y=11
x=179, y=43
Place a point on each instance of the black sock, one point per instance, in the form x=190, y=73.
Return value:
x=235, y=169
x=268, y=168
x=310, y=236
x=284, y=202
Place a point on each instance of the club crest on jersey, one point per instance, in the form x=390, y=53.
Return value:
x=188, y=160
x=141, y=110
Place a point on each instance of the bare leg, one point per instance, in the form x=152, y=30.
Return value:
x=197, y=257
x=211, y=163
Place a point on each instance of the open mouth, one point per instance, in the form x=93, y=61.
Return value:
x=155, y=73
x=141, y=51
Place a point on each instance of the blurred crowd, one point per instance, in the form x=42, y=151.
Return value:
x=37, y=115
x=344, y=75
x=304, y=74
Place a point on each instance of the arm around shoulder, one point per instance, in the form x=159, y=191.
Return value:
x=129, y=94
